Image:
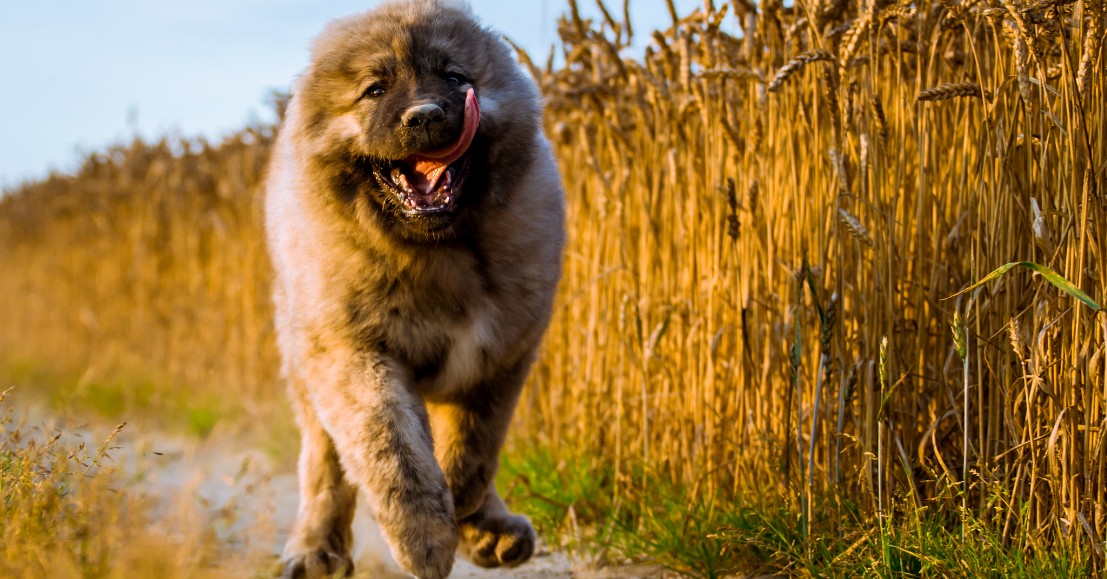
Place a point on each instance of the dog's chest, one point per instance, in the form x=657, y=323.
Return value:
x=445, y=354
x=446, y=334
x=469, y=352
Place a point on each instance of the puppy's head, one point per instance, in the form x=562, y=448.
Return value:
x=393, y=104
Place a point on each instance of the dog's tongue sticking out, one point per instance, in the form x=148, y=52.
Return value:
x=429, y=166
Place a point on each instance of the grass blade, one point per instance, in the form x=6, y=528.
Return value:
x=1051, y=276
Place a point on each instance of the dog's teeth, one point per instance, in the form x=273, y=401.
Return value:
x=400, y=179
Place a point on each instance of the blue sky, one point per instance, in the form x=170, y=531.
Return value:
x=78, y=75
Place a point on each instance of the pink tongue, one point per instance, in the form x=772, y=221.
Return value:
x=430, y=165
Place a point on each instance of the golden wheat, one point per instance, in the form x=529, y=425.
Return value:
x=795, y=65
x=950, y=90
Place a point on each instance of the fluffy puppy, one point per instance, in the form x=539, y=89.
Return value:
x=415, y=220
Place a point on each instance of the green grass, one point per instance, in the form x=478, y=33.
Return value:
x=563, y=498
x=573, y=503
x=119, y=395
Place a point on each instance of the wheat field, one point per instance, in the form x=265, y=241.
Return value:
x=771, y=214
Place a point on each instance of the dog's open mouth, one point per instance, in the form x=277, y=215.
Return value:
x=418, y=194
x=429, y=182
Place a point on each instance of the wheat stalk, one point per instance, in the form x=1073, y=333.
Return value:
x=838, y=162
x=1092, y=42
x=880, y=123
x=854, y=227
x=1022, y=68
x=796, y=64
x=952, y=90
x=1016, y=340
x=954, y=9
x=731, y=73
x=852, y=39
x=830, y=91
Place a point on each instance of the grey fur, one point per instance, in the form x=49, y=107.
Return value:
x=400, y=330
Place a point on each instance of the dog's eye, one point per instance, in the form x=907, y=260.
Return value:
x=454, y=80
x=375, y=91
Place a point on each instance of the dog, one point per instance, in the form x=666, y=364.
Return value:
x=415, y=221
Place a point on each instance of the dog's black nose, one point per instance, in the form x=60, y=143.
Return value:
x=423, y=114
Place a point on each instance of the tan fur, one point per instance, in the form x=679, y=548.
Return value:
x=405, y=345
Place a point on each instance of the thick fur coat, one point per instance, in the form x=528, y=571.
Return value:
x=415, y=267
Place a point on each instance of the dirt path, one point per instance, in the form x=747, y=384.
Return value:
x=227, y=477
x=228, y=486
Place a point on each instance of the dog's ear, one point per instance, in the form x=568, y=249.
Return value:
x=461, y=5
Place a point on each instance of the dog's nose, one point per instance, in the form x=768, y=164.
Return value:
x=423, y=114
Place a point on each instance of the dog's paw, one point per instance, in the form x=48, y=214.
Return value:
x=495, y=541
x=315, y=564
x=429, y=562
x=426, y=546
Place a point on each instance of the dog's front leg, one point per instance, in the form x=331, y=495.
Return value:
x=379, y=427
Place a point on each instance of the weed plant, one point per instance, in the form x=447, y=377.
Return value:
x=68, y=510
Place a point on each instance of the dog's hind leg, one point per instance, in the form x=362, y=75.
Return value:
x=319, y=545
x=469, y=432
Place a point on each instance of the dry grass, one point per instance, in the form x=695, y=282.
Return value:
x=146, y=267
x=67, y=511
x=737, y=258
